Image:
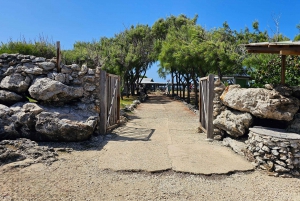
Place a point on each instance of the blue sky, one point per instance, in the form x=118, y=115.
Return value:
x=69, y=21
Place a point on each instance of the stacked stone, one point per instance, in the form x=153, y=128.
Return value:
x=75, y=87
x=218, y=107
x=280, y=155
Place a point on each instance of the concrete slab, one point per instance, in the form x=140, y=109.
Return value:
x=135, y=156
x=206, y=159
x=162, y=136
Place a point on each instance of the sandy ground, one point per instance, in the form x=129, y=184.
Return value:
x=101, y=170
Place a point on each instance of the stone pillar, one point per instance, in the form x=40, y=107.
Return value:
x=218, y=107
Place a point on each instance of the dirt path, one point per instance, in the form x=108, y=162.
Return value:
x=144, y=161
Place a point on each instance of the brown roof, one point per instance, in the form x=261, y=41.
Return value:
x=282, y=48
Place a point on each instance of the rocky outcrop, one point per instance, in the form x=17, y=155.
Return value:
x=64, y=127
x=66, y=104
x=15, y=82
x=260, y=102
x=50, y=90
x=31, y=121
x=9, y=98
x=7, y=128
x=235, y=123
x=237, y=146
x=13, y=151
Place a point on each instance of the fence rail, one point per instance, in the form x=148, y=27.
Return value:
x=206, y=96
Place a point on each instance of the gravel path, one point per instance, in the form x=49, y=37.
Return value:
x=78, y=176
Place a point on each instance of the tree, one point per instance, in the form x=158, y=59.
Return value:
x=129, y=54
x=220, y=52
x=161, y=29
x=266, y=68
x=180, y=52
x=297, y=37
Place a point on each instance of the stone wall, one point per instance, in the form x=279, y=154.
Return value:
x=238, y=111
x=64, y=105
x=238, y=108
x=218, y=107
x=275, y=150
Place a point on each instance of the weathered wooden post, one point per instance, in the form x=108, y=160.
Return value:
x=58, y=56
x=103, y=103
x=206, y=96
x=210, y=98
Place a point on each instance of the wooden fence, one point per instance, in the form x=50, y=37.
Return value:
x=206, y=96
x=110, y=101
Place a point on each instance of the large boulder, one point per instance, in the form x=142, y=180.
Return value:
x=235, y=123
x=55, y=126
x=7, y=125
x=46, y=123
x=261, y=102
x=18, y=121
x=9, y=98
x=34, y=70
x=46, y=89
x=15, y=82
x=24, y=118
x=46, y=65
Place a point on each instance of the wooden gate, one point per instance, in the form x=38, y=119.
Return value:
x=110, y=101
x=206, y=96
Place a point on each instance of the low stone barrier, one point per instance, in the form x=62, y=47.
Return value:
x=274, y=150
x=64, y=106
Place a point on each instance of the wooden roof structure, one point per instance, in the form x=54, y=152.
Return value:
x=282, y=48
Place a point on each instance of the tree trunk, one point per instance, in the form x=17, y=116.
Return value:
x=220, y=74
x=189, y=91
x=180, y=84
x=172, y=75
x=196, y=93
x=177, y=84
x=127, y=88
x=132, y=87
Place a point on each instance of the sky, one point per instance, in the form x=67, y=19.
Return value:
x=69, y=21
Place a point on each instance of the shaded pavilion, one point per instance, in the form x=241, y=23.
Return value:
x=283, y=48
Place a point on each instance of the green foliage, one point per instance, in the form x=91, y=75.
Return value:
x=31, y=100
x=40, y=48
x=266, y=69
x=129, y=54
x=84, y=53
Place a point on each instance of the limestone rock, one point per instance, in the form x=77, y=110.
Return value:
x=34, y=70
x=66, y=69
x=46, y=65
x=9, y=98
x=38, y=59
x=269, y=86
x=236, y=146
x=7, y=127
x=21, y=149
x=56, y=126
x=25, y=117
x=9, y=71
x=235, y=123
x=60, y=77
x=15, y=82
x=75, y=67
x=260, y=102
x=50, y=90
